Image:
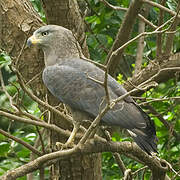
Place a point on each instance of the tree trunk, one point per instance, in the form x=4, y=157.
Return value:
x=66, y=13
x=17, y=18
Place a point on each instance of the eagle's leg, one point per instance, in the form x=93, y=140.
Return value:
x=78, y=118
x=70, y=142
x=71, y=138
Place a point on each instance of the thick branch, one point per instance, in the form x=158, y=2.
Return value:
x=152, y=69
x=170, y=36
x=140, y=48
x=88, y=148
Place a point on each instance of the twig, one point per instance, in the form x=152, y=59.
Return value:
x=23, y=113
x=134, y=86
x=113, y=7
x=7, y=94
x=95, y=80
x=31, y=80
x=127, y=174
x=147, y=22
x=156, y=100
x=115, y=53
x=134, y=173
x=41, y=140
x=176, y=174
x=154, y=4
x=171, y=168
x=22, y=49
x=142, y=86
x=125, y=9
x=96, y=63
x=35, y=98
x=93, y=126
x=106, y=85
x=36, y=123
x=116, y=155
x=28, y=146
x=166, y=124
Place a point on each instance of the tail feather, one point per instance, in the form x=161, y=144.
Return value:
x=146, y=142
x=145, y=137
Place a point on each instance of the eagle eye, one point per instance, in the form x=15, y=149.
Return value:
x=45, y=33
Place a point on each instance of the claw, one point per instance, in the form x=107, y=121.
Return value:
x=70, y=141
x=67, y=145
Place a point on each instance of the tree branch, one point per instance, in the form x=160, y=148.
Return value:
x=154, y=4
x=36, y=123
x=159, y=36
x=118, y=8
x=39, y=101
x=170, y=37
x=162, y=72
x=140, y=48
x=125, y=148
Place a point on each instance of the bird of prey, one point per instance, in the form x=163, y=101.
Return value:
x=67, y=77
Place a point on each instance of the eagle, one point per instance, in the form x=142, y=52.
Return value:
x=74, y=81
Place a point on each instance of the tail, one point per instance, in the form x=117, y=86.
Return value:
x=145, y=138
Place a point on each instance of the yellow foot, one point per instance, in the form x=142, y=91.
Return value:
x=67, y=145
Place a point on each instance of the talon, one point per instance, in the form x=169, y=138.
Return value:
x=67, y=145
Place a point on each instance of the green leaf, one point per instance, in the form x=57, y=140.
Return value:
x=4, y=148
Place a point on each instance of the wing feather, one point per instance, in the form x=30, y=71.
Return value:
x=69, y=81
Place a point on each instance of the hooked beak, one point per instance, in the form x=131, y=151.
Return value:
x=32, y=41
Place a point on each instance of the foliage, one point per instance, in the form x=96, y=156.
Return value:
x=39, y=9
x=12, y=154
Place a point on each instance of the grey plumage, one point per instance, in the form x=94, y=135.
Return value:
x=67, y=78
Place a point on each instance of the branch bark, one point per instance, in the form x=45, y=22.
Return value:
x=170, y=36
x=126, y=148
x=152, y=69
x=159, y=36
x=140, y=48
